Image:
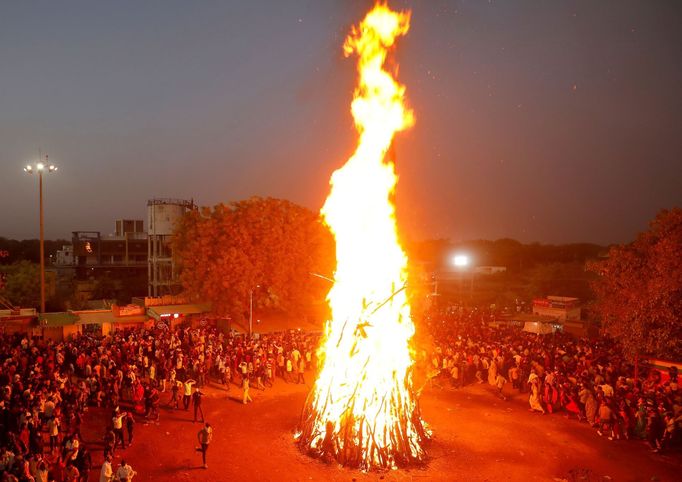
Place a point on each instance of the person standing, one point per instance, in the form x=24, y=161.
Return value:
x=125, y=472
x=71, y=449
x=117, y=423
x=107, y=473
x=295, y=355
x=130, y=426
x=244, y=370
x=187, y=395
x=204, y=436
x=605, y=420
x=280, y=365
x=196, y=401
x=174, y=402
x=534, y=398
x=290, y=370
x=222, y=371
x=590, y=404
x=42, y=473
x=269, y=376
x=301, y=371
x=109, y=441
x=227, y=376
x=53, y=430
x=500, y=381
x=260, y=373
x=154, y=399
x=245, y=385
x=201, y=375
x=84, y=464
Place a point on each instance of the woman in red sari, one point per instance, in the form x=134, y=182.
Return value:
x=569, y=403
x=138, y=398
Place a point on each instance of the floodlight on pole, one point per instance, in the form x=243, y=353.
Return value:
x=40, y=167
x=461, y=260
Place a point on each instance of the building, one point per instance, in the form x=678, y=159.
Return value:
x=92, y=258
x=64, y=256
x=488, y=270
x=131, y=260
x=129, y=226
x=17, y=320
x=126, y=248
x=103, y=322
x=563, y=308
x=163, y=216
x=531, y=323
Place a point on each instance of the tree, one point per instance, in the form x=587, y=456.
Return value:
x=22, y=284
x=105, y=289
x=227, y=251
x=563, y=279
x=639, y=290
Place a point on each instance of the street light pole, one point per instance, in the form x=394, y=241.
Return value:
x=42, y=244
x=251, y=310
x=39, y=168
x=461, y=262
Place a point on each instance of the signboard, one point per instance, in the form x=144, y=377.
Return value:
x=129, y=310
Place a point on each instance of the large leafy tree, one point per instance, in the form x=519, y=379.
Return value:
x=639, y=290
x=21, y=283
x=267, y=245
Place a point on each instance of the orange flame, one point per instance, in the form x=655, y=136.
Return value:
x=364, y=393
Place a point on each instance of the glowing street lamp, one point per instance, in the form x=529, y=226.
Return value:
x=39, y=167
x=461, y=260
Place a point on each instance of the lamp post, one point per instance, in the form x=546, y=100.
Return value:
x=251, y=309
x=461, y=262
x=39, y=167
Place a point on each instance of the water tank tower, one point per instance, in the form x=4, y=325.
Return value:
x=162, y=218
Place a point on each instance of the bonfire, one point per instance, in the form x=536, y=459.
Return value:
x=363, y=410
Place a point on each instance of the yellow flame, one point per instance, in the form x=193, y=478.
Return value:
x=365, y=382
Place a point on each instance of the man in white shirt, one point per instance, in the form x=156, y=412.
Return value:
x=117, y=423
x=72, y=448
x=107, y=473
x=125, y=472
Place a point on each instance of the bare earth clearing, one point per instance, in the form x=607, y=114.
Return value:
x=477, y=437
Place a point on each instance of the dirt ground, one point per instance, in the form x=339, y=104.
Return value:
x=477, y=437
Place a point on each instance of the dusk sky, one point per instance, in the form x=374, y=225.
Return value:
x=537, y=120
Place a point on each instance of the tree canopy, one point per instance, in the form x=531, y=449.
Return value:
x=21, y=283
x=12, y=250
x=267, y=245
x=639, y=290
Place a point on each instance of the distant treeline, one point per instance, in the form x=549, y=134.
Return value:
x=437, y=255
x=12, y=250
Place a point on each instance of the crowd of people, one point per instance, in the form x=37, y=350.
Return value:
x=589, y=380
x=47, y=386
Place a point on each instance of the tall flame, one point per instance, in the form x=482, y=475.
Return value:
x=362, y=409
